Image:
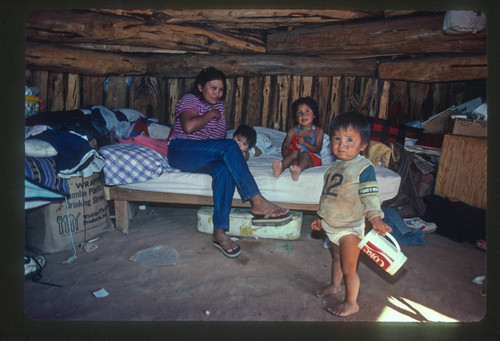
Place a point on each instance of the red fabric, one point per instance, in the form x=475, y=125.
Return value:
x=293, y=146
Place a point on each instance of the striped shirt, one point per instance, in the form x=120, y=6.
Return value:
x=215, y=129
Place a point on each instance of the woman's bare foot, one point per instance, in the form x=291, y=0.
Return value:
x=295, y=170
x=261, y=206
x=277, y=168
x=328, y=290
x=344, y=309
x=220, y=237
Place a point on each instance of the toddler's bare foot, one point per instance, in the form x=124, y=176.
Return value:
x=344, y=309
x=295, y=170
x=328, y=290
x=277, y=168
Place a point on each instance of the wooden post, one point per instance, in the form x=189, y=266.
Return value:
x=55, y=92
x=73, y=93
x=266, y=101
x=117, y=94
x=253, y=101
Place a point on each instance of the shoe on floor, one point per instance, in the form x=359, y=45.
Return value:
x=419, y=224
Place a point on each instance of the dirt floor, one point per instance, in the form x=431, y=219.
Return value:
x=272, y=280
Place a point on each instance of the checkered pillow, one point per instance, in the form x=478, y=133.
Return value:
x=130, y=163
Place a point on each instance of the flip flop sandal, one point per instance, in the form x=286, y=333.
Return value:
x=263, y=219
x=232, y=254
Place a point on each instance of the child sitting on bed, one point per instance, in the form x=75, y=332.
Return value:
x=350, y=194
x=302, y=144
x=246, y=137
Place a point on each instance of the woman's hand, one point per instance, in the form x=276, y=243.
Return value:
x=380, y=226
x=214, y=113
x=316, y=224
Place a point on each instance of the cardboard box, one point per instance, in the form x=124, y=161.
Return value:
x=48, y=229
x=240, y=224
x=468, y=127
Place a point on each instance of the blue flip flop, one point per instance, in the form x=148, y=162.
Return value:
x=232, y=254
x=261, y=219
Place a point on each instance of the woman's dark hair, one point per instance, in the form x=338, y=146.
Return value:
x=352, y=119
x=311, y=103
x=206, y=75
x=248, y=132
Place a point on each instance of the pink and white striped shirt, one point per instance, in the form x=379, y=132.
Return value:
x=215, y=129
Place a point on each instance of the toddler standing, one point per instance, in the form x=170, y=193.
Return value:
x=350, y=194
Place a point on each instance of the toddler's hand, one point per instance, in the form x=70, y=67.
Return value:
x=301, y=140
x=316, y=224
x=380, y=226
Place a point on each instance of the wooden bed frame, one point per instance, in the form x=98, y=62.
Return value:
x=123, y=196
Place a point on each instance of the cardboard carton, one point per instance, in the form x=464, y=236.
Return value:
x=48, y=229
x=468, y=127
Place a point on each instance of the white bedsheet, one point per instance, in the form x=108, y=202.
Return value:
x=306, y=190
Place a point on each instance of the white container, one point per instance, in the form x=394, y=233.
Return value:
x=240, y=224
x=386, y=254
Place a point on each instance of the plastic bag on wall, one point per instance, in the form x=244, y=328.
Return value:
x=463, y=22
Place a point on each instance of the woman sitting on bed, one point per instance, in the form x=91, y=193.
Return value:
x=198, y=145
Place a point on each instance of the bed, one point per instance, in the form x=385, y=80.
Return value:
x=175, y=187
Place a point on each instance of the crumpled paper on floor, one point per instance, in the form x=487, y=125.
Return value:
x=156, y=256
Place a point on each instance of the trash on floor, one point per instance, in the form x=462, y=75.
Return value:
x=156, y=256
x=100, y=293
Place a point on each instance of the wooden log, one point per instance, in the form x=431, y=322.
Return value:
x=324, y=86
x=384, y=101
x=40, y=80
x=228, y=103
x=62, y=59
x=253, y=65
x=379, y=37
x=266, y=101
x=307, y=86
x=255, y=19
x=436, y=69
x=61, y=26
x=335, y=102
x=253, y=101
x=236, y=118
x=93, y=90
x=173, y=98
x=55, y=92
x=418, y=95
x=348, y=92
x=282, y=120
x=117, y=94
x=73, y=93
x=398, y=105
x=145, y=96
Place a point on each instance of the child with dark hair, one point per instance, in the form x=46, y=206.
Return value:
x=350, y=195
x=246, y=137
x=302, y=144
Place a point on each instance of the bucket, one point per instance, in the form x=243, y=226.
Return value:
x=386, y=254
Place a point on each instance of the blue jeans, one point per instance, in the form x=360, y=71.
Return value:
x=223, y=160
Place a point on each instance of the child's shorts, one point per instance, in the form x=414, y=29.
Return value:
x=335, y=237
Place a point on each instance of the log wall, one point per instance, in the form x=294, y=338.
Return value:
x=258, y=100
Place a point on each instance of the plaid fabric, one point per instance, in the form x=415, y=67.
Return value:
x=384, y=131
x=130, y=163
x=41, y=171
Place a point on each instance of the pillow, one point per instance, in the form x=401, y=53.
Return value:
x=131, y=163
x=38, y=148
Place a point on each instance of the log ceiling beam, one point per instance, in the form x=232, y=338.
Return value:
x=254, y=19
x=63, y=59
x=436, y=69
x=375, y=38
x=64, y=26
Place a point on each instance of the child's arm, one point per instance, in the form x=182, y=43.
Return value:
x=247, y=155
x=288, y=139
x=379, y=225
x=318, y=144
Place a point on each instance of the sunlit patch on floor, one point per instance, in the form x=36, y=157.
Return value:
x=404, y=310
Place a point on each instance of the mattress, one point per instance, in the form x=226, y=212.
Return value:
x=240, y=224
x=306, y=190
